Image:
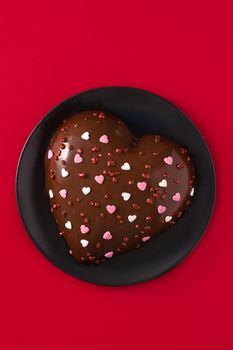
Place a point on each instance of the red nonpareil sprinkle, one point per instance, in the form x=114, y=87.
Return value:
x=111, y=163
x=70, y=204
x=63, y=213
x=145, y=175
x=100, y=155
x=86, y=220
x=155, y=154
x=149, y=201
x=94, y=160
x=106, y=196
x=176, y=181
x=82, y=214
x=79, y=151
x=97, y=204
x=136, y=206
x=121, y=221
x=137, y=226
x=140, y=153
x=135, y=236
x=123, y=244
x=114, y=179
x=98, y=245
x=101, y=116
x=118, y=150
x=157, y=138
x=125, y=239
x=102, y=215
x=62, y=146
x=78, y=200
x=111, y=173
x=109, y=154
x=130, y=182
x=84, y=175
x=147, y=227
x=63, y=162
x=148, y=218
x=95, y=149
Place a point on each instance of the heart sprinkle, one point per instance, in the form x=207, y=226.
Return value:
x=77, y=158
x=86, y=190
x=176, y=197
x=132, y=218
x=84, y=229
x=64, y=172
x=111, y=208
x=108, y=255
x=163, y=183
x=85, y=136
x=126, y=196
x=50, y=154
x=99, y=179
x=142, y=186
x=161, y=209
x=125, y=166
x=146, y=238
x=192, y=192
x=63, y=193
x=107, y=235
x=168, y=218
x=104, y=139
x=84, y=243
x=51, y=195
x=168, y=160
x=68, y=225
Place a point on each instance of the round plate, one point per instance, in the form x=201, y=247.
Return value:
x=144, y=113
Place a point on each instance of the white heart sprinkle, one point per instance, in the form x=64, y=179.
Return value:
x=168, y=218
x=85, y=135
x=51, y=195
x=132, y=218
x=192, y=192
x=64, y=172
x=84, y=243
x=68, y=225
x=86, y=190
x=163, y=183
x=125, y=166
x=50, y=154
x=126, y=196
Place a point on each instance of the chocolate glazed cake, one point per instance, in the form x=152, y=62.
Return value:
x=110, y=192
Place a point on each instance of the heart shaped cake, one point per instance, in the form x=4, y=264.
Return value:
x=109, y=191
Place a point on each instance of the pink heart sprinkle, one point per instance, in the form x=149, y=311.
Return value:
x=109, y=254
x=63, y=193
x=142, y=185
x=111, y=208
x=107, y=235
x=99, y=179
x=78, y=158
x=168, y=160
x=161, y=209
x=50, y=154
x=103, y=139
x=144, y=239
x=176, y=197
x=84, y=229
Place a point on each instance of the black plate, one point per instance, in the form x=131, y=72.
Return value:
x=144, y=113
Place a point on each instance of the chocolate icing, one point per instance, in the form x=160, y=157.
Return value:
x=110, y=192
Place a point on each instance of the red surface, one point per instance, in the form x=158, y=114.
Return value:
x=181, y=50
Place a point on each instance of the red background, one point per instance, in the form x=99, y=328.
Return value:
x=181, y=50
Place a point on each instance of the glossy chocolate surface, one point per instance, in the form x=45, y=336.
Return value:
x=110, y=192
